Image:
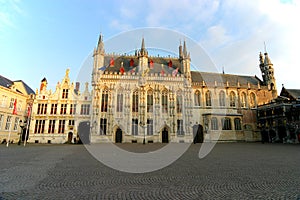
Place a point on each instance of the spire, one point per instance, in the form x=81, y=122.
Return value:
x=143, y=51
x=180, y=50
x=100, y=47
x=184, y=49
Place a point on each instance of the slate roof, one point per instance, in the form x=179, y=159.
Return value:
x=293, y=94
x=233, y=80
x=157, y=64
x=5, y=82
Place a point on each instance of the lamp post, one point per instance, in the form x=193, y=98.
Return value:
x=142, y=124
x=22, y=125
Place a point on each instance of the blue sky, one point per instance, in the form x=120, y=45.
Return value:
x=42, y=38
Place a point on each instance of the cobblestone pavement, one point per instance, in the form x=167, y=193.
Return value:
x=230, y=171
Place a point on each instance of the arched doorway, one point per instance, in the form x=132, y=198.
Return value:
x=84, y=132
x=198, y=133
x=70, y=136
x=119, y=135
x=165, y=136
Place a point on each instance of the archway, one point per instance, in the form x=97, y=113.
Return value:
x=70, y=136
x=84, y=132
x=119, y=135
x=198, y=133
x=165, y=136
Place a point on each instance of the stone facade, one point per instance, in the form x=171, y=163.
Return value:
x=56, y=116
x=13, y=93
x=142, y=98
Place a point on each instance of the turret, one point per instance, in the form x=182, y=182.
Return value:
x=267, y=71
x=98, y=55
x=185, y=60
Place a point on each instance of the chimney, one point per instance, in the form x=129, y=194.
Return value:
x=77, y=87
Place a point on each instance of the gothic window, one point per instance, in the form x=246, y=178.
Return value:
x=63, y=109
x=180, y=127
x=104, y=100
x=65, y=93
x=164, y=101
x=39, y=126
x=243, y=100
x=197, y=98
x=222, y=98
x=232, y=99
x=237, y=124
x=149, y=126
x=150, y=101
x=53, y=109
x=61, y=126
x=179, y=103
x=119, y=102
x=135, y=101
x=208, y=98
x=103, y=126
x=252, y=100
x=214, y=123
x=134, y=127
x=51, y=126
x=226, y=123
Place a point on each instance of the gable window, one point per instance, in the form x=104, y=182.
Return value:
x=252, y=100
x=65, y=93
x=243, y=100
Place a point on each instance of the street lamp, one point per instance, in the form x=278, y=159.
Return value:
x=22, y=125
x=142, y=124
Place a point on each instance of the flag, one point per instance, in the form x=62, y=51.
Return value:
x=28, y=110
x=162, y=72
x=15, y=107
x=133, y=70
x=112, y=62
x=151, y=64
x=131, y=62
x=175, y=72
x=170, y=63
x=122, y=70
x=102, y=68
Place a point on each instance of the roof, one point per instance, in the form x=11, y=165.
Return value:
x=5, y=82
x=293, y=94
x=233, y=80
x=159, y=64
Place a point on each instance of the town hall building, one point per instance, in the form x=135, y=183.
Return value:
x=141, y=98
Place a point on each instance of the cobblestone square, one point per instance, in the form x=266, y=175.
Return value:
x=230, y=171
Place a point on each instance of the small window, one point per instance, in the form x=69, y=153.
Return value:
x=214, y=123
x=226, y=123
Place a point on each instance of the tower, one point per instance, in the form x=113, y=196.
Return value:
x=98, y=55
x=267, y=71
x=185, y=60
x=143, y=58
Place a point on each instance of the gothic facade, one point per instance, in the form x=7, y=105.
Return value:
x=143, y=98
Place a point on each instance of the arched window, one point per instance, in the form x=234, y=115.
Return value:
x=179, y=102
x=149, y=101
x=197, y=98
x=135, y=101
x=237, y=124
x=120, y=102
x=164, y=101
x=222, y=98
x=243, y=100
x=226, y=123
x=214, y=123
x=232, y=99
x=252, y=100
x=208, y=98
x=104, y=100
